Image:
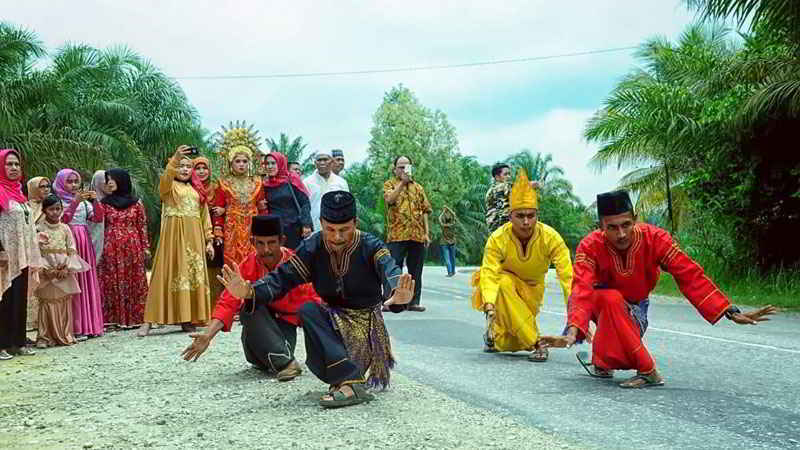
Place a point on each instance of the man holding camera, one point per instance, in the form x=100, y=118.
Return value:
x=407, y=209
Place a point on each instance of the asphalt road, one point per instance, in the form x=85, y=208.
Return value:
x=727, y=386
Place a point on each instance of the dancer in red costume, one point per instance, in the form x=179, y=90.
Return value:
x=616, y=269
x=269, y=331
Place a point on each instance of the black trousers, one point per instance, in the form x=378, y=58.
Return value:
x=268, y=342
x=14, y=312
x=327, y=355
x=411, y=254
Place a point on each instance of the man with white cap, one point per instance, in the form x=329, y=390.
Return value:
x=322, y=181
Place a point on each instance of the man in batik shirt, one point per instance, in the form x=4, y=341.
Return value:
x=616, y=269
x=353, y=272
x=407, y=209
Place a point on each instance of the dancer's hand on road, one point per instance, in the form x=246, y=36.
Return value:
x=199, y=345
x=754, y=317
x=233, y=281
x=404, y=291
x=555, y=341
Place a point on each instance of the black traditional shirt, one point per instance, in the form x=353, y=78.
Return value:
x=361, y=278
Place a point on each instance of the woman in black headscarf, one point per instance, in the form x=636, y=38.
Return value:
x=122, y=272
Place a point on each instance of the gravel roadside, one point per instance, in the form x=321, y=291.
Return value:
x=120, y=391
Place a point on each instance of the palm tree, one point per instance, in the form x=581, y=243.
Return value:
x=293, y=149
x=654, y=112
x=538, y=167
x=776, y=24
x=783, y=15
x=91, y=109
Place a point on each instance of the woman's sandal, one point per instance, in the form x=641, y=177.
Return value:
x=340, y=399
x=646, y=381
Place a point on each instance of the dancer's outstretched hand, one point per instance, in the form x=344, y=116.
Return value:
x=234, y=282
x=404, y=291
x=754, y=317
x=199, y=345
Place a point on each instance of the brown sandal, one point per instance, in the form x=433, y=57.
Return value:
x=642, y=381
x=339, y=399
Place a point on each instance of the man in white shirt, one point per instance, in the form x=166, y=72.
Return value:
x=323, y=180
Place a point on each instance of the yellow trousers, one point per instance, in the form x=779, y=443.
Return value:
x=516, y=309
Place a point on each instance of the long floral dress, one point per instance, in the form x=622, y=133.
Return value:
x=179, y=289
x=87, y=307
x=122, y=271
x=240, y=196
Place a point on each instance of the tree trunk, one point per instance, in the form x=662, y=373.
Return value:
x=669, y=200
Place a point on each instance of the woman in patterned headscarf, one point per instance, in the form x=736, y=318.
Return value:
x=79, y=213
x=179, y=288
x=207, y=190
x=38, y=190
x=19, y=254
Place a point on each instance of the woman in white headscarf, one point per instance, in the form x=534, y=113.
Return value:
x=97, y=230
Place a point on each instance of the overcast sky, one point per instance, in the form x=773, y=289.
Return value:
x=497, y=110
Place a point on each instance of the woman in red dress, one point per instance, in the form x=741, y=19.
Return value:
x=122, y=272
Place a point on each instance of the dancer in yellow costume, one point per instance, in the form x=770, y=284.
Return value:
x=509, y=287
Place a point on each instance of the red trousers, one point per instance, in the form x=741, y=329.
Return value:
x=617, y=343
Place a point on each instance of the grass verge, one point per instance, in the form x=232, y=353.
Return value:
x=781, y=289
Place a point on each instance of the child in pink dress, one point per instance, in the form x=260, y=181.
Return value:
x=58, y=281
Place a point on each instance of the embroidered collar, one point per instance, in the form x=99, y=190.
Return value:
x=341, y=264
x=625, y=268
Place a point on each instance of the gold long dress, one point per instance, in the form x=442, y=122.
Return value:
x=179, y=288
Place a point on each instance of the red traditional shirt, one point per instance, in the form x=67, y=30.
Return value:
x=635, y=272
x=285, y=308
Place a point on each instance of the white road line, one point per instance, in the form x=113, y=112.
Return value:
x=681, y=333
x=710, y=338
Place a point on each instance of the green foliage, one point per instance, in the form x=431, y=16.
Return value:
x=91, y=109
x=404, y=127
x=708, y=120
x=294, y=149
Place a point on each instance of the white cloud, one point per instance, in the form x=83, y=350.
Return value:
x=558, y=132
x=212, y=37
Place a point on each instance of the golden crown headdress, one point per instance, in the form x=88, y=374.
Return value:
x=523, y=196
x=238, y=138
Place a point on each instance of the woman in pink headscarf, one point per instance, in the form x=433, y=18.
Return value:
x=19, y=254
x=79, y=212
x=287, y=197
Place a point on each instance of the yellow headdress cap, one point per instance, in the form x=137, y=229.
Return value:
x=523, y=196
x=240, y=150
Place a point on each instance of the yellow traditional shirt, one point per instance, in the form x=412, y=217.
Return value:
x=406, y=217
x=504, y=253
